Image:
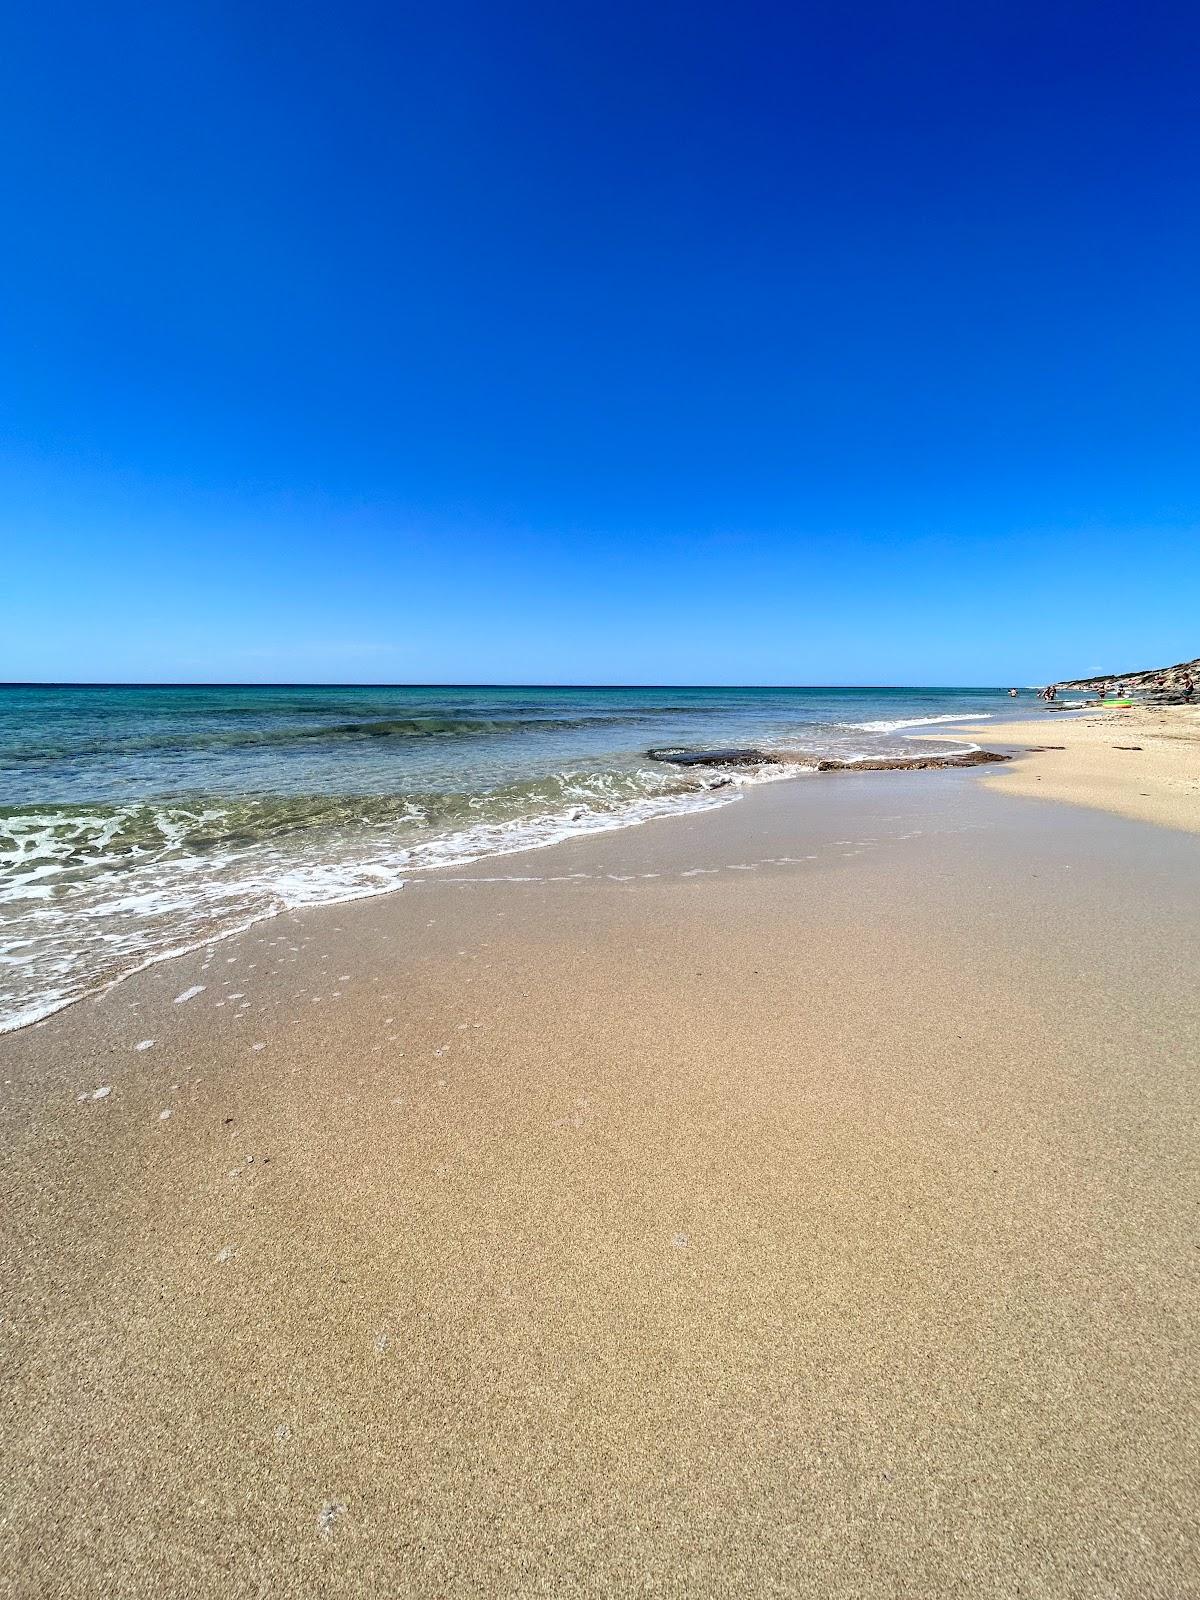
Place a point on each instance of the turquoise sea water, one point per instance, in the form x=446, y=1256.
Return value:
x=139, y=820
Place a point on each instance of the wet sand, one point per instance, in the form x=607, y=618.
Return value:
x=797, y=1199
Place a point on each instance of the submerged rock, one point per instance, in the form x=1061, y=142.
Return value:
x=712, y=758
x=756, y=758
x=967, y=758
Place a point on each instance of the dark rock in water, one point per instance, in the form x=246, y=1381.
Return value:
x=712, y=758
x=754, y=758
x=969, y=758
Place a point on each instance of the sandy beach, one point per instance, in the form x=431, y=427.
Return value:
x=797, y=1198
x=1142, y=761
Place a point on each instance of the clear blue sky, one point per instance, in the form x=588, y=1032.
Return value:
x=610, y=342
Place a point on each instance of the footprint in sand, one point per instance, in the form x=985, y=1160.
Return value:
x=578, y=1116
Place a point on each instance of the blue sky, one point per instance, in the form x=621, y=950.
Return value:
x=570, y=343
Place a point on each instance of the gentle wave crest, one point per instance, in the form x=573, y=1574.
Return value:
x=894, y=724
x=91, y=893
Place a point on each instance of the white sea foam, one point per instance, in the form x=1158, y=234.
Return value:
x=893, y=724
x=87, y=946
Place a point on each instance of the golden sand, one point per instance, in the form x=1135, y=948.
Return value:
x=793, y=1200
x=1142, y=762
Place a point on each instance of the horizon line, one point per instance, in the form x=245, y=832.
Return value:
x=347, y=683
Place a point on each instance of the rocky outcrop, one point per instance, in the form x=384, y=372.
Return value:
x=714, y=758
x=767, y=758
x=968, y=758
x=1177, y=685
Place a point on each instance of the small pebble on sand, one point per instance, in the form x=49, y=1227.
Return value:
x=163, y=1115
x=225, y=1253
x=144, y=1044
x=327, y=1516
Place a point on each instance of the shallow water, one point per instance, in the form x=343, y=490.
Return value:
x=139, y=821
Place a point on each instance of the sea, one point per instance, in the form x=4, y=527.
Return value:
x=139, y=821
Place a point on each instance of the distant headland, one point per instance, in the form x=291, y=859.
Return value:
x=1177, y=685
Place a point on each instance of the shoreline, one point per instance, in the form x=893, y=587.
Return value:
x=721, y=790
x=1063, y=779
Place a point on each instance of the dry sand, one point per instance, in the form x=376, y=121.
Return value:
x=798, y=1199
x=1142, y=762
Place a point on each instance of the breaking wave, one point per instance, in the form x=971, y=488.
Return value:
x=894, y=724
